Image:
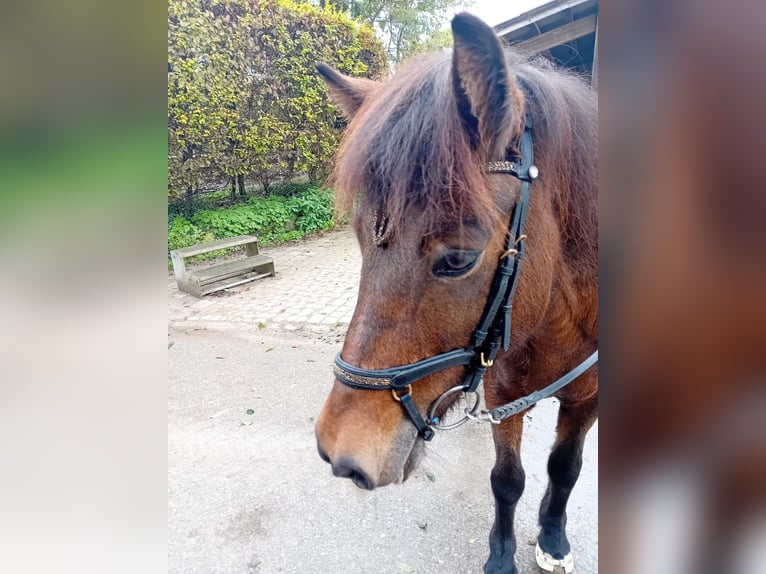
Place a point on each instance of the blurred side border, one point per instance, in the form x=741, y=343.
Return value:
x=83, y=362
x=682, y=277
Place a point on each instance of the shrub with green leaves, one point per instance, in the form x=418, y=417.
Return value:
x=182, y=233
x=312, y=210
x=244, y=98
x=273, y=219
x=265, y=218
x=289, y=189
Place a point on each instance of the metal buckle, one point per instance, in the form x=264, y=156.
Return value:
x=485, y=363
x=509, y=252
x=482, y=416
x=513, y=251
x=407, y=391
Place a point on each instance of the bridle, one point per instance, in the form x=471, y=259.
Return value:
x=492, y=333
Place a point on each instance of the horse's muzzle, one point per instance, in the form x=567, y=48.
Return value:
x=348, y=467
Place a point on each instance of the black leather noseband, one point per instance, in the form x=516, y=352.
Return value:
x=494, y=329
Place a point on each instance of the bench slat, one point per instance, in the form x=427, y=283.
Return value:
x=229, y=269
x=215, y=245
x=219, y=286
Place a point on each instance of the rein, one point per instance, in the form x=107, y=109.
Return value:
x=492, y=333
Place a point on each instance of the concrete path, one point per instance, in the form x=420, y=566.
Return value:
x=247, y=493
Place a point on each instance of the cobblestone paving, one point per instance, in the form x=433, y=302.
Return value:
x=314, y=292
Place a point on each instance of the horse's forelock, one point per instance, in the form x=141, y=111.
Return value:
x=407, y=150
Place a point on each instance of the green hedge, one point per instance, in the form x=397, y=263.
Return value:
x=244, y=97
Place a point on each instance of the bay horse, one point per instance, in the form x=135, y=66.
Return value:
x=436, y=161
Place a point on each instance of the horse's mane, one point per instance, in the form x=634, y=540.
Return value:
x=407, y=149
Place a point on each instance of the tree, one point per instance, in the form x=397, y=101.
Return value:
x=439, y=40
x=402, y=24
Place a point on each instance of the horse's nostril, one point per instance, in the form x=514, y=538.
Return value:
x=361, y=480
x=322, y=453
x=346, y=467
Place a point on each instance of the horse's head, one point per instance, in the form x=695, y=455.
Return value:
x=431, y=225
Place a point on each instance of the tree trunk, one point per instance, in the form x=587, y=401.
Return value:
x=233, y=182
x=290, y=170
x=265, y=183
x=241, y=184
x=399, y=45
x=371, y=20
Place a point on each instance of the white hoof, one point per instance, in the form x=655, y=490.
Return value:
x=548, y=563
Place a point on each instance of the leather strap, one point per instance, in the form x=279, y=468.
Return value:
x=515, y=407
x=399, y=377
x=411, y=408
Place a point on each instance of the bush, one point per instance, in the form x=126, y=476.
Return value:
x=290, y=189
x=244, y=98
x=187, y=207
x=263, y=217
x=182, y=233
x=312, y=210
x=274, y=219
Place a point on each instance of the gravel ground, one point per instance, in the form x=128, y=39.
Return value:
x=247, y=493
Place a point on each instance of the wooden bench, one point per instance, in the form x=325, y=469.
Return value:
x=206, y=280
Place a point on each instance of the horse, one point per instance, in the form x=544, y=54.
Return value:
x=479, y=263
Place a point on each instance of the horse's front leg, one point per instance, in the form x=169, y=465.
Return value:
x=507, y=480
x=575, y=419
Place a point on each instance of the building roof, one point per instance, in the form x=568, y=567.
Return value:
x=564, y=30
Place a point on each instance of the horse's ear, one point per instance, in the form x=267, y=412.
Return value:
x=346, y=92
x=488, y=99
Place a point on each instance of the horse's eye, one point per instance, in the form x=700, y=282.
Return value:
x=455, y=262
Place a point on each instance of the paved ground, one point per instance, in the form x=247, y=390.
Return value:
x=248, y=493
x=313, y=293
